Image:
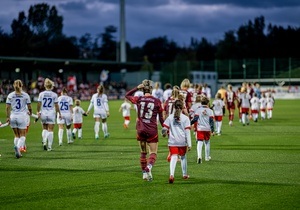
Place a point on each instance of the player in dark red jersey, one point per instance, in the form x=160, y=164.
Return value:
x=148, y=108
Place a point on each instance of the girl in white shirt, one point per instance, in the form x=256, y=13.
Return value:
x=178, y=127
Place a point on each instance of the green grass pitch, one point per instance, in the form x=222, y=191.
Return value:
x=252, y=167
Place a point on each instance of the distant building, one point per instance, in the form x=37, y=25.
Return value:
x=208, y=77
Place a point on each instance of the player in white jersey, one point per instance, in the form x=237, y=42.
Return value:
x=204, y=116
x=65, y=104
x=18, y=106
x=178, y=127
x=99, y=102
x=157, y=92
x=167, y=92
x=47, y=107
x=263, y=106
x=270, y=105
x=217, y=106
x=197, y=104
x=254, y=101
x=78, y=112
x=244, y=99
x=125, y=109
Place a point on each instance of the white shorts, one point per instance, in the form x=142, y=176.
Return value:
x=18, y=121
x=101, y=115
x=65, y=119
x=48, y=119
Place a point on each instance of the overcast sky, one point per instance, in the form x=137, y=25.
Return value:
x=179, y=20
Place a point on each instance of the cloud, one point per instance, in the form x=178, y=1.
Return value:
x=179, y=20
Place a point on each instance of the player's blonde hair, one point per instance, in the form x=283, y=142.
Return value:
x=147, y=86
x=175, y=93
x=185, y=84
x=48, y=84
x=18, y=86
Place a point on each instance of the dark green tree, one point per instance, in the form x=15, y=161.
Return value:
x=108, y=46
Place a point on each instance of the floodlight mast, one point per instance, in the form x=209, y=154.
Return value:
x=122, y=32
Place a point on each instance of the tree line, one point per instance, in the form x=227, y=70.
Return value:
x=39, y=34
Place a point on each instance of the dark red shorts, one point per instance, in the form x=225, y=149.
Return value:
x=145, y=137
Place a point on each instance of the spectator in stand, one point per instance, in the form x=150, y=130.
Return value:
x=148, y=108
x=254, y=107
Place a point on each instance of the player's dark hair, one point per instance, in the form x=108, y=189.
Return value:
x=204, y=100
x=100, y=89
x=167, y=86
x=178, y=105
x=64, y=91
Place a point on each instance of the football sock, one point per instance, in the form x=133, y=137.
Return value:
x=74, y=130
x=79, y=133
x=143, y=160
x=44, y=135
x=199, y=149
x=126, y=122
x=184, y=165
x=173, y=163
x=152, y=159
x=16, y=140
x=104, y=128
x=21, y=142
x=60, y=135
x=220, y=126
x=207, y=149
x=244, y=118
x=69, y=134
x=96, y=128
x=50, y=139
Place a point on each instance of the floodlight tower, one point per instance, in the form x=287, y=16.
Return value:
x=122, y=32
